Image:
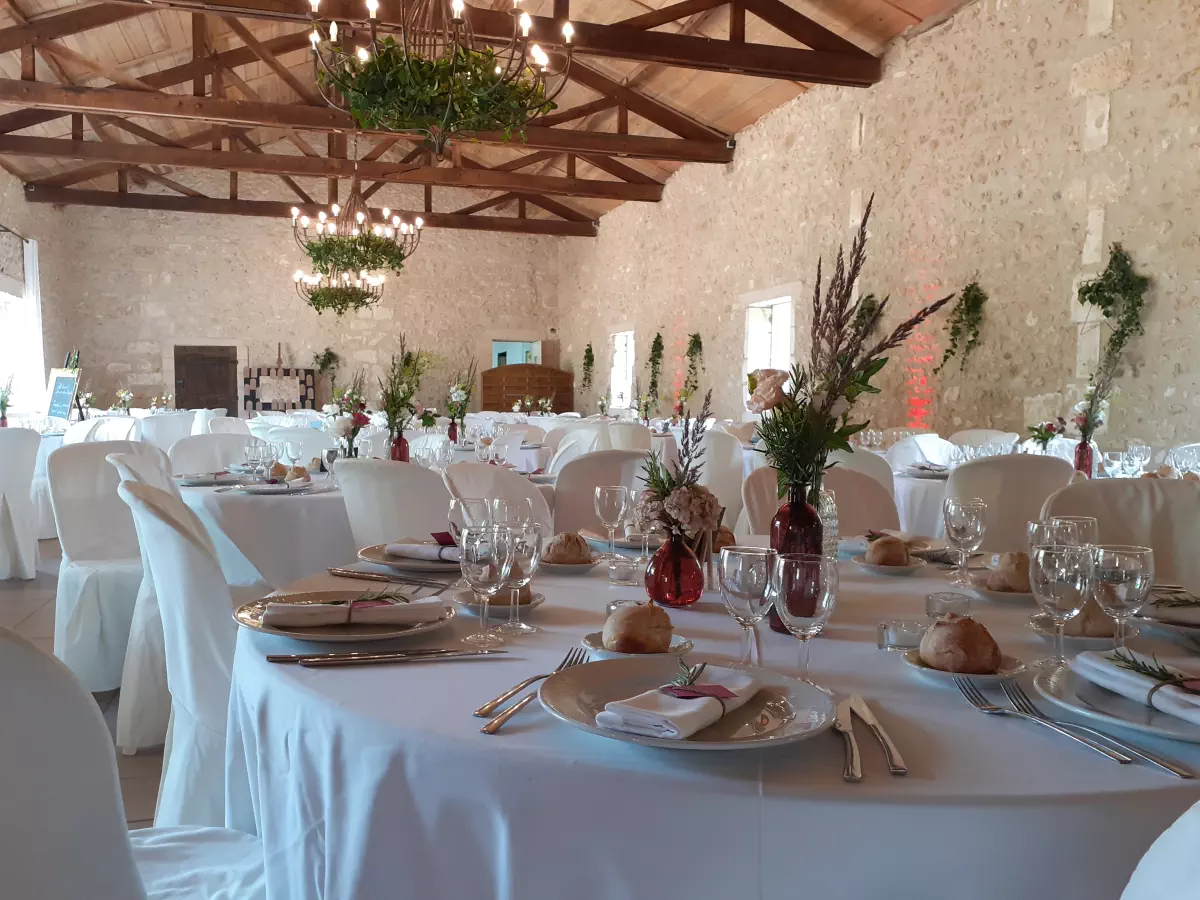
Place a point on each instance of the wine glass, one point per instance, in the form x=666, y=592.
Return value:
x=292, y=451
x=1061, y=578
x=965, y=519
x=526, y=538
x=1051, y=532
x=467, y=512
x=1087, y=529
x=646, y=525
x=483, y=452
x=485, y=558
x=612, y=500
x=516, y=511
x=803, y=588
x=1137, y=457
x=1124, y=577
x=745, y=574
x=253, y=453
x=1114, y=463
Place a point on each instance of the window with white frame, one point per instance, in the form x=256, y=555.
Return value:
x=21, y=334
x=770, y=335
x=620, y=379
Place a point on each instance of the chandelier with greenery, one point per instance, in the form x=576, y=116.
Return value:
x=433, y=79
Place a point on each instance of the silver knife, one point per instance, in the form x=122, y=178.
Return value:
x=356, y=654
x=894, y=760
x=845, y=724
x=338, y=572
x=373, y=659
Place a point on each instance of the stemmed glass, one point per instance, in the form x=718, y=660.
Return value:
x=526, y=538
x=612, y=501
x=745, y=574
x=1124, y=577
x=1087, y=529
x=1051, y=533
x=485, y=560
x=467, y=512
x=1062, y=579
x=965, y=519
x=804, y=589
x=254, y=453
x=515, y=511
x=1114, y=463
x=1137, y=457
x=293, y=450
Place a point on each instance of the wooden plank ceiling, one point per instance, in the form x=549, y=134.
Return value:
x=196, y=89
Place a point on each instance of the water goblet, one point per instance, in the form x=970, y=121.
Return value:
x=1137, y=456
x=1114, y=463
x=1061, y=578
x=467, y=512
x=745, y=574
x=1051, y=532
x=526, y=538
x=486, y=555
x=1124, y=578
x=803, y=589
x=1087, y=529
x=518, y=510
x=253, y=454
x=612, y=501
x=292, y=451
x=966, y=521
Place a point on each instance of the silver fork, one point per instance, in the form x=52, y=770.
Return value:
x=1022, y=702
x=975, y=698
x=497, y=723
x=485, y=711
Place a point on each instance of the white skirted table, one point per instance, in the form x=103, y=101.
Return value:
x=919, y=503
x=375, y=782
x=527, y=459
x=43, y=512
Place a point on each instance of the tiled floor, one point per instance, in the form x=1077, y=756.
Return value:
x=27, y=607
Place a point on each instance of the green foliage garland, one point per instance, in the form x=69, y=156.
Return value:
x=965, y=319
x=695, y=358
x=398, y=92
x=589, y=363
x=866, y=316
x=326, y=362
x=347, y=253
x=654, y=363
x=339, y=298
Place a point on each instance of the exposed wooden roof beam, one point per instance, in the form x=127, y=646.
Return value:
x=672, y=13
x=646, y=107
x=576, y=112
x=801, y=28
x=74, y=20
x=303, y=91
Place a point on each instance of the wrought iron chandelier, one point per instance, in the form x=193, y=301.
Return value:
x=433, y=79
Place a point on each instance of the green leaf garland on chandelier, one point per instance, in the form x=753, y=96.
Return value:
x=589, y=364
x=347, y=253
x=963, y=326
x=654, y=364
x=340, y=298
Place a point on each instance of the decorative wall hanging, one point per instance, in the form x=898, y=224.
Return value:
x=963, y=325
x=273, y=389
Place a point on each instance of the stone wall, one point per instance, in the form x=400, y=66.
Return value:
x=1011, y=144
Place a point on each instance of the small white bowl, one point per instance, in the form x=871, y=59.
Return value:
x=915, y=565
x=1010, y=667
x=595, y=643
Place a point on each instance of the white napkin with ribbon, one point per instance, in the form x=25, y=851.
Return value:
x=1182, y=615
x=1097, y=667
x=658, y=715
x=428, y=551
x=379, y=611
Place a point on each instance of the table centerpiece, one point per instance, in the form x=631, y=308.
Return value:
x=396, y=395
x=458, y=400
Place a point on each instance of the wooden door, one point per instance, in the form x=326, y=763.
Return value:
x=206, y=378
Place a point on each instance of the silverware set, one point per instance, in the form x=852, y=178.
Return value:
x=855, y=705
x=367, y=658
x=1115, y=749
x=574, y=657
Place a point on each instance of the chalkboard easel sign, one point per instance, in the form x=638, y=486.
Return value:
x=61, y=388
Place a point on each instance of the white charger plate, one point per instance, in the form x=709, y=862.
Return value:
x=1043, y=626
x=1009, y=597
x=209, y=479
x=915, y=566
x=926, y=474
x=543, y=479
x=250, y=615
x=1010, y=667
x=498, y=607
x=622, y=542
x=375, y=554
x=1189, y=633
x=568, y=568
x=785, y=710
x=282, y=488
x=594, y=642
x=1064, y=688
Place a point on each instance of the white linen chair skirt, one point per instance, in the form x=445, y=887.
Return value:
x=228, y=425
x=200, y=453
x=164, y=429
x=760, y=496
x=575, y=489
x=722, y=471
x=476, y=479
x=313, y=442
x=43, y=509
x=18, y=525
x=869, y=463
x=114, y=428
x=1014, y=488
x=200, y=424
x=628, y=436
x=387, y=501
x=862, y=502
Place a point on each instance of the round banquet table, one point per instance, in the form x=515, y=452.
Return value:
x=919, y=503
x=40, y=492
x=274, y=540
x=375, y=782
x=527, y=459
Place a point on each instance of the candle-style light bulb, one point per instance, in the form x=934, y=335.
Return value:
x=321, y=215
x=314, y=37
x=526, y=24
x=315, y=4
x=457, y=7
x=304, y=221
x=358, y=216
x=372, y=8
x=568, y=31
x=386, y=212
x=333, y=31
x=363, y=55
x=420, y=223
x=299, y=275
x=335, y=209
x=396, y=220
x=295, y=214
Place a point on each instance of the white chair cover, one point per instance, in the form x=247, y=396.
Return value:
x=145, y=708
x=101, y=567
x=760, y=496
x=919, y=448
x=261, y=427
x=114, y=428
x=984, y=437
x=1149, y=512
x=373, y=441
x=722, y=471
x=575, y=489
x=199, y=453
x=164, y=429
x=629, y=436
x=507, y=446
x=310, y=416
x=577, y=441
x=743, y=432
x=62, y=819
x=79, y=432
x=476, y=479
x=1170, y=869
x=862, y=502
x=427, y=441
x=313, y=443
x=869, y=464
x=228, y=425
x=388, y=500
x=534, y=434
x=200, y=424
x=197, y=617
x=555, y=435
x=43, y=511
x=1014, y=488
x=18, y=525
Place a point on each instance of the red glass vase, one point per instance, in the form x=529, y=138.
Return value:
x=452, y=432
x=796, y=528
x=400, y=448
x=674, y=576
x=3, y=421
x=1085, y=458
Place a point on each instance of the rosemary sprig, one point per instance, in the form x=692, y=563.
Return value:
x=1178, y=601
x=1155, y=670
x=385, y=594
x=688, y=674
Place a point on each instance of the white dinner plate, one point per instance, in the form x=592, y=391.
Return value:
x=497, y=609
x=1010, y=667
x=532, y=446
x=927, y=474
x=594, y=642
x=279, y=488
x=1043, y=626
x=622, y=542
x=1064, y=688
x=209, y=479
x=375, y=554
x=1009, y=597
x=785, y=710
x=568, y=568
x=250, y=616
x=1190, y=633
x=915, y=565
x=543, y=479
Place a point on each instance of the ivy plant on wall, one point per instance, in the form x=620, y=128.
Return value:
x=963, y=325
x=589, y=364
x=695, y=358
x=654, y=364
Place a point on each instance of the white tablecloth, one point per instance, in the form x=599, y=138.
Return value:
x=274, y=539
x=42, y=510
x=527, y=459
x=919, y=502
x=376, y=783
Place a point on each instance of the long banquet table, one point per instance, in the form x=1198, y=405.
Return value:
x=376, y=782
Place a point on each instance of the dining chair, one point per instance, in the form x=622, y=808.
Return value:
x=228, y=425
x=1159, y=513
x=313, y=443
x=164, y=429
x=476, y=479
x=1014, y=489
x=575, y=488
x=760, y=497
x=18, y=525
x=868, y=463
x=722, y=470
x=202, y=418
x=202, y=453
x=1170, y=869
x=62, y=818
x=427, y=441
x=199, y=637
x=534, y=434
x=387, y=501
x=575, y=443
x=984, y=437
x=629, y=436
x=743, y=432
x=862, y=502
x=43, y=511
x=508, y=446
x=919, y=448
x=101, y=568
x=81, y=432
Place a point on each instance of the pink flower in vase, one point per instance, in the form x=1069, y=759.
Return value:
x=768, y=389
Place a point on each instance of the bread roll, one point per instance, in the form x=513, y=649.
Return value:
x=297, y=473
x=1011, y=574
x=956, y=643
x=638, y=629
x=278, y=470
x=887, y=551
x=567, y=548
x=724, y=538
x=1091, y=621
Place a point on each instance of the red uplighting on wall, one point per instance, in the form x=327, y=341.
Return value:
x=921, y=354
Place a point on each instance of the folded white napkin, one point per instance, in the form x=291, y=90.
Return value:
x=1183, y=615
x=363, y=612
x=658, y=715
x=1098, y=667
x=429, y=551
